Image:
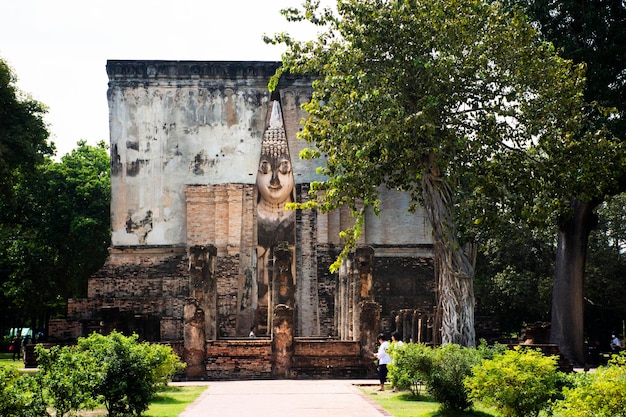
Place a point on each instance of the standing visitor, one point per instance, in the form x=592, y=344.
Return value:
x=383, y=360
x=15, y=346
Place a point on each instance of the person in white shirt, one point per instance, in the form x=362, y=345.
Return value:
x=383, y=360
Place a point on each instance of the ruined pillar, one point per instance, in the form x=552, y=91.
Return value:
x=203, y=284
x=247, y=281
x=307, y=288
x=342, y=300
x=282, y=340
x=364, y=264
x=407, y=324
x=194, y=348
x=369, y=312
x=355, y=286
x=416, y=326
x=200, y=309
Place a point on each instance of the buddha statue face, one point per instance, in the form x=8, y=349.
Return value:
x=274, y=179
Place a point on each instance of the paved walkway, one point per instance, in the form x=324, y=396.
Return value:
x=301, y=398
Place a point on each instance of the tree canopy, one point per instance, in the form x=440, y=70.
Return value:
x=577, y=175
x=54, y=234
x=23, y=133
x=422, y=96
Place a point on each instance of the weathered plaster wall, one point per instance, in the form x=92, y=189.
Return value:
x=175, y=123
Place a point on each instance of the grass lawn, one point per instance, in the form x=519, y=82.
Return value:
x=404, y=404
x=6, y=359
x=169, y=402
x=173, y=400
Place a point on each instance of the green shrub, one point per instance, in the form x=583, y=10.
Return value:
x=129, y=372
x=600, y=394
x=519, y=382
x=116, y=370
x=451, y=364
x=487, y=351
x=162, y=361
x=411, y=366
x=441, y=369
x=69, y=378
x=20, y=396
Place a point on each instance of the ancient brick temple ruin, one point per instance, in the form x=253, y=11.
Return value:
x=203, y=251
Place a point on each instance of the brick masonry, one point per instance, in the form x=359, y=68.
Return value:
x=234, y=359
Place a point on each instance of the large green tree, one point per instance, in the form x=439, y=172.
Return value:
x=23, y=147
x=415, y=95
x=54, y=234
x=515, y=272
x=583, y=172
x=23, y=133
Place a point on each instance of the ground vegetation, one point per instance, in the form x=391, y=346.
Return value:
x=117, y=371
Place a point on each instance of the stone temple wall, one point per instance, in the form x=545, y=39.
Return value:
x=176, y=123
x=185, y=144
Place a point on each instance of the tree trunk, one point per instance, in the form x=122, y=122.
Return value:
x=455, y=290
x=567, y=329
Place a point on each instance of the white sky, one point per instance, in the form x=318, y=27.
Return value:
x=59, y=48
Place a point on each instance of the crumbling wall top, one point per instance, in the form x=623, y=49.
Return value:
x=146, y=70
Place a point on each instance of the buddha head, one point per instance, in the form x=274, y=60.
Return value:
x=275, y=178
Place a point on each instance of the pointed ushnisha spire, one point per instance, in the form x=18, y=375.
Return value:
x=274, y=139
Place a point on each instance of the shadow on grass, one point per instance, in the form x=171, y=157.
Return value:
x=441, y=412
x=162, y=396
x=413, y=397
x=455, y=413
